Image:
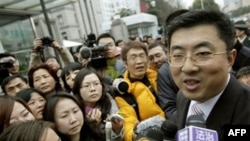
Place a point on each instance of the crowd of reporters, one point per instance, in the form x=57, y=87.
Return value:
x=142, y=89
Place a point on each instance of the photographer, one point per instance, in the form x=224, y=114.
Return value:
x=115, y=67
x=37, y=55
x=8, y=61
x=103, y=58
x=9, y=66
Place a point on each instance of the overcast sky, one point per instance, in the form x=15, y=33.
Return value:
x=188, y=3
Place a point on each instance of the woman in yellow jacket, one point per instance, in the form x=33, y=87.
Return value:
x=142, y=88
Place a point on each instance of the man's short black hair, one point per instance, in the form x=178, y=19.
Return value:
x=153, y=45
x=2, y=55
x=104, y=35
x=223, y=24
x=9, y=78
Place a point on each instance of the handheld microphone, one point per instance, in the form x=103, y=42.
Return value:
x=169, y=129
x=196, y=130
x=108, y=128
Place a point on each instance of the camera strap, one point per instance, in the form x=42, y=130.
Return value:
x=130, y=99
x=41, y=55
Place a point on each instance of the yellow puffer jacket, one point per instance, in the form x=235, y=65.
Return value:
x=145, y=100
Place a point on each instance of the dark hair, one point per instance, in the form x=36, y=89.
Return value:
x=171, y=17
x=147, y=37
x=25, y=94
x=26, y=131
x=7, y=104
x=104, y=35
x=2, y=55
x=130, y=45
x=9, y=78
x=151, y=46
x=52, y=72
x=223, y=24
x=104, y=103
x=66, y=70
x=174, y=15
x=118, y=42
x=242, y=72
x=50, y=108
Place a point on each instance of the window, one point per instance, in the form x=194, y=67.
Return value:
x=60, y=19
x=64, y=35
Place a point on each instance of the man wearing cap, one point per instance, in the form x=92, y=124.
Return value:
x=241, y=29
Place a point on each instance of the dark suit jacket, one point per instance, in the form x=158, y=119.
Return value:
x=242, y=57
x=167, y=91
x=246, y=42
x=233, y=107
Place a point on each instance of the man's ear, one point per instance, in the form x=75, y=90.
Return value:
x=125, y=63
x=231, y=58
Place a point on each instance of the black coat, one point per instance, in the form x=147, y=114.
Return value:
x=233, y=107
x=242, y=58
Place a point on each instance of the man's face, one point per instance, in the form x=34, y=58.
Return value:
x=245, y=79
x=150, y=41
x=239, y=32
x=15, y=68
x=110, y=53
x=200, y=82
x=15, y=85
x=136, y=63
x=156, y=57
x=52, y=62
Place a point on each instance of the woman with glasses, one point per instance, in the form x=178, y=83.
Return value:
x=99, y=105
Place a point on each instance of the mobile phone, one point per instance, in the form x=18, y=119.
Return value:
x=88, y=109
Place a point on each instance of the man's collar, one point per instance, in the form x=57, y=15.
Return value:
x=135, y=79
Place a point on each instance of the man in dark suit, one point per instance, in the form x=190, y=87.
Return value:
x=241, y=29
x=200, y=64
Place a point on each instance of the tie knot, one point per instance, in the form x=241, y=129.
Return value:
x=196, y=110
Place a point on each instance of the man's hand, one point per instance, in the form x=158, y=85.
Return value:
x=56, y=45
x=37, y=43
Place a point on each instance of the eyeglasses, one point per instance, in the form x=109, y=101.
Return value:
x=135, y=58
x=200, y=58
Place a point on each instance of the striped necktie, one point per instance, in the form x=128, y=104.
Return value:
x=196, y=110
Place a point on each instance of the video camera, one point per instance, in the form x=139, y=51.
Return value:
x=94, y=53
x=6, y=63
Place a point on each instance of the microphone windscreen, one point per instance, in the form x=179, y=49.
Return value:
x=169, y=129
x=196, y=120
x=154, y=134
x=150, y=122
x=85, y=52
